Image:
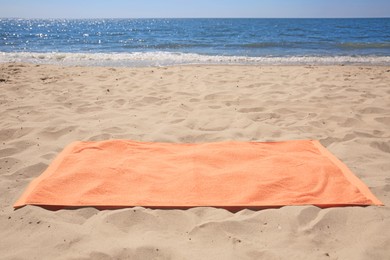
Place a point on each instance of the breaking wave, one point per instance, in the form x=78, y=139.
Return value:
x=136, y=59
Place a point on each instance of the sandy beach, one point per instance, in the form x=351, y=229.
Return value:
x=46, y=107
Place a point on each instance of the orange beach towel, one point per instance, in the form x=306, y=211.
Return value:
x=123, y=173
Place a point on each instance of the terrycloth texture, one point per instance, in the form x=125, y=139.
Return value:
x=122, y=173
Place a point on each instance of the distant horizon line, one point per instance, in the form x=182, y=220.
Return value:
x=122, y=18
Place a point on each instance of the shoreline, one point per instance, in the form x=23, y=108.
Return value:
x=16, y=63
x=163, y=58
x=46, y=107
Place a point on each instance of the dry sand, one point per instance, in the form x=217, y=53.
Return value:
x=44, y=108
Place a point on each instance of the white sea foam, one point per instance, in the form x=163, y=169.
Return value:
x=172, y=58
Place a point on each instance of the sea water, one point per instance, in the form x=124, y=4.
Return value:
x=158, y=42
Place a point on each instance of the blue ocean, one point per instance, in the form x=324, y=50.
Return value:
x=160, y=42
